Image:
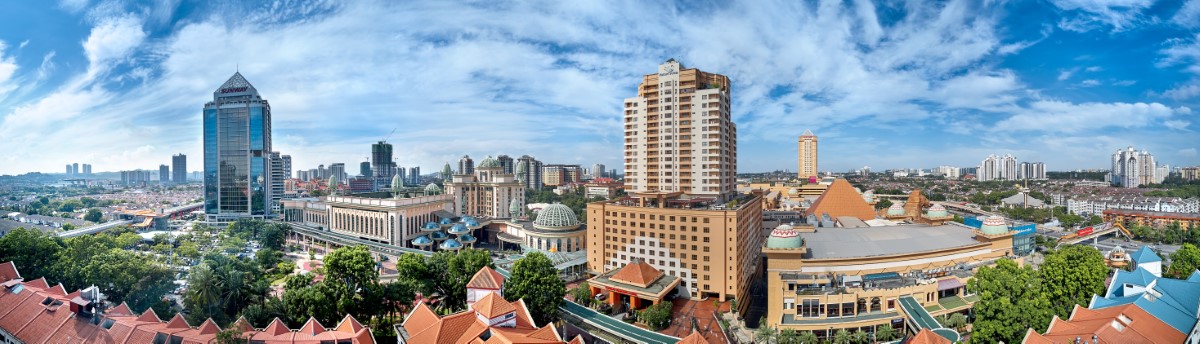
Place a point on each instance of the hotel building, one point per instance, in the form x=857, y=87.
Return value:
x=678, y=133
x=808, y=156
x=487, y=192
x=237, y=147
x=683, y=215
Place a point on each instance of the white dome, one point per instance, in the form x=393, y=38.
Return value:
x=556, y=216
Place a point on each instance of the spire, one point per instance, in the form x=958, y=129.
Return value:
x=236, y=84
x=807, y=133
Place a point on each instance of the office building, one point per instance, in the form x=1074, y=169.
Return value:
x=678, y=134
x=529, y=172
x=683, y=216
x=278, y=175
x=414, y=175
x=75, y=168
x=1131, y=168
x=322, y=172
x=466, y=165
x=597, y=171
x=237, y=146
x=382, y=165
x=302, y=175
x=164, y=174
x=808, y=156
x=135, y=177
x=489, y=193
x=338, y=170
x=287, y=166
x=178, y=168
x=364, y=169
x=558, y=174
x=507, y=163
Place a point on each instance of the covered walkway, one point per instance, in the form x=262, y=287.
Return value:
x=918, y=319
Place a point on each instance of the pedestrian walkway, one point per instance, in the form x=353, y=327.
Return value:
x=920, y=319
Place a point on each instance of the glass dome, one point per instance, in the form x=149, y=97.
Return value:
x=557, y=217
x=431, y=226
x=459, y=228
x=466, y=238
x=446, y=221
x=450, y=244
x=422, y=241
x=439, y=236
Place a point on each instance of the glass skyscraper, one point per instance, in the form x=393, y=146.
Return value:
x=237, y=148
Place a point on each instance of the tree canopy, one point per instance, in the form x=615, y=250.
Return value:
x=1010, y=302
x=1071, y=275
x=1184, y=261
x=535, y=280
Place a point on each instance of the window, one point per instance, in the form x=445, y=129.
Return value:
x=809, y=308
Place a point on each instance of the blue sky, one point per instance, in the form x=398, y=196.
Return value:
x=888, y=84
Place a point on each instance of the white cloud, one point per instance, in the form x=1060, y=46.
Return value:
x=1125, y=83
x=47, y=65
x=1067, y=117
x=1094, y=69
x=1188, y=15
x=8, y=68
x=113, y=39
x=1176, y=124
x=1066, y=74
x=1089, y=83
x=1085, y=15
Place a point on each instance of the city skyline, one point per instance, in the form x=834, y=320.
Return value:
x=880, y=92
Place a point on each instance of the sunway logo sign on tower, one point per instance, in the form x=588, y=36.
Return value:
x=233, y=90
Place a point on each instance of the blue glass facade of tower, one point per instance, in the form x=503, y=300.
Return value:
x=237, y=145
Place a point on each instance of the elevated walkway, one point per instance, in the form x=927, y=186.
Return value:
x=1097, y=232
x=919, y=319
x=94, y=229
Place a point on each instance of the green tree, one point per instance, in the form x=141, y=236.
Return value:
x=656, y=317
x=93, y=215
x=231, y=336
x=582, y=294
x=535, y=280
x=352, y=267
x=1184, y=261
x=841, y=337
x=1071, y=275
x=456, y=269
x=955, y=321
x=415, y=272
x=124, y=276
x=790, y=336
x=128, y=240
x=33, y=252
x=883, y=333
x=764, y=334
x=202, y=299
x=1010, y=302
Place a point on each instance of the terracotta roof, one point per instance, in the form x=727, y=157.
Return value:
x=1121, y=324
x=492, y=306
x=8, y=271
x=637, y=273
x=694, y=338
x=927, y=336
x=312, y=327
x=122, y=309
x=424, y=326
x=149, y=316
x=486, y=278
x=210, y=327
x=277, y=327
x=242, y=325
x=840, y=199
x=456, y=328
x=349, y=325
x=421, y=317
x=178, y=322
x=38, y=283
x=577, y=340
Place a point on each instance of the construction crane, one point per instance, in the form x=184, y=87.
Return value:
x=389, y=135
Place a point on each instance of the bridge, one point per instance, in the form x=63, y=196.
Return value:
x=182, y=210
x=965, y=209
x=919, y=319
x=93, y=229
x=1097, y=232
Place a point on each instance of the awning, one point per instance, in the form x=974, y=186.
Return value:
x=948, y=284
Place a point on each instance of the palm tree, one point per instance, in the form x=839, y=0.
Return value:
x=764, y=333
x=203, y=292
x=841, y=337
x=885, y=333
x=860, y=337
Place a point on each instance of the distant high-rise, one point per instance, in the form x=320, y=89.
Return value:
x=69, y=170
x=597, y=171
x=178, y=166
x=302, y=175
x=237, y=146
x=287, y=166
x=1131, y=168
x=322, y=172
x=1008, y=167
x=364, y=169
x=529, y=172
x=382, y=165
x=466, y=165
x=87, y=169
x=678, y=134
x=414, y=175
x=338, y=170
x=808, y=155
x=278, y=175
x=164, y=174
x=1032, y=170
x=506, y=162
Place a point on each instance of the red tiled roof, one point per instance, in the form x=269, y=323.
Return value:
x=637, y=273
x=149, y=316
x=492, y=306
x=424, y=326
x=694, y=338
x=1141, y=327
x=38, y=283
x=486, y=278
x=8, y=271
x=177, y=322
x=122, y=309
x=926, y=336
x=210, y=327
x=312, y=327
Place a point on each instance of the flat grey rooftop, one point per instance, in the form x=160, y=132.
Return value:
x=883, y=241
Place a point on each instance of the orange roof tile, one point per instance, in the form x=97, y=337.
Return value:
x=276, y=328
x=577, y=340
x=312, y=327
x=637, y=273
x=349, y=325
x=122, y=309
x=149, y=316
x=486, y=278
x=1142, y=327
x=927, y=336
x=420, y=318
x=38, y=283
x=492, y=306
x=456, y=328
x=694, y=338
x=177, y=322
x=242, y=325
x=8, y=271
x=840, y=199
x=210, y=327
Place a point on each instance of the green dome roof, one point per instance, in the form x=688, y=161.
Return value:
x=489, y=162
x=784, y=236
x=895, y=209
x=937, y=210
x=557, y=216
x=994, y=225
x=433, y=188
